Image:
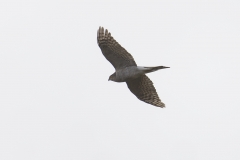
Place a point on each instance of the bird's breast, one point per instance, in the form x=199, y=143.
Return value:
x=128, y=73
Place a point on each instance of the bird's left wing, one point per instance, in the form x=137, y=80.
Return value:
x=113, y=51
x=142, y=87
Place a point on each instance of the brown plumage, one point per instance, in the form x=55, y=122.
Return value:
x=113, y=51
x=142, y=87
x=127, y=70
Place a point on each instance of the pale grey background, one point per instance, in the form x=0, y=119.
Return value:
x=56, y=102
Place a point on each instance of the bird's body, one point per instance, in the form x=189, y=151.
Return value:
x=132, y=72
x=122, y=75
x=126, y=69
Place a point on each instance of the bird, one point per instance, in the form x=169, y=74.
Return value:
x=126, y=69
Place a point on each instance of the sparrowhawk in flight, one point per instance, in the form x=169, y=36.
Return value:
x=126, y=69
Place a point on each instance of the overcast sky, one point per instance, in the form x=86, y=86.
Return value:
x=56, y=102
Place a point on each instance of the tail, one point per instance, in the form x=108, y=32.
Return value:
x=152, y=69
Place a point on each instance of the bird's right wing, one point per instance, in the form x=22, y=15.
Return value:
x=113, y=51
x=142, y=87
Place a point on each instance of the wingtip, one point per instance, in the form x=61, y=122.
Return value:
x=103, y=31
x=161, y=105
x=100, y=28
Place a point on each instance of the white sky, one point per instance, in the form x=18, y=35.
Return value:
x=56, y=102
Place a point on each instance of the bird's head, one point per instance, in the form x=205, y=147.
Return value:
x=112, y=77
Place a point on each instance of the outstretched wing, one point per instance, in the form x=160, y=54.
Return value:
x=144, y=90
x=113, y=51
